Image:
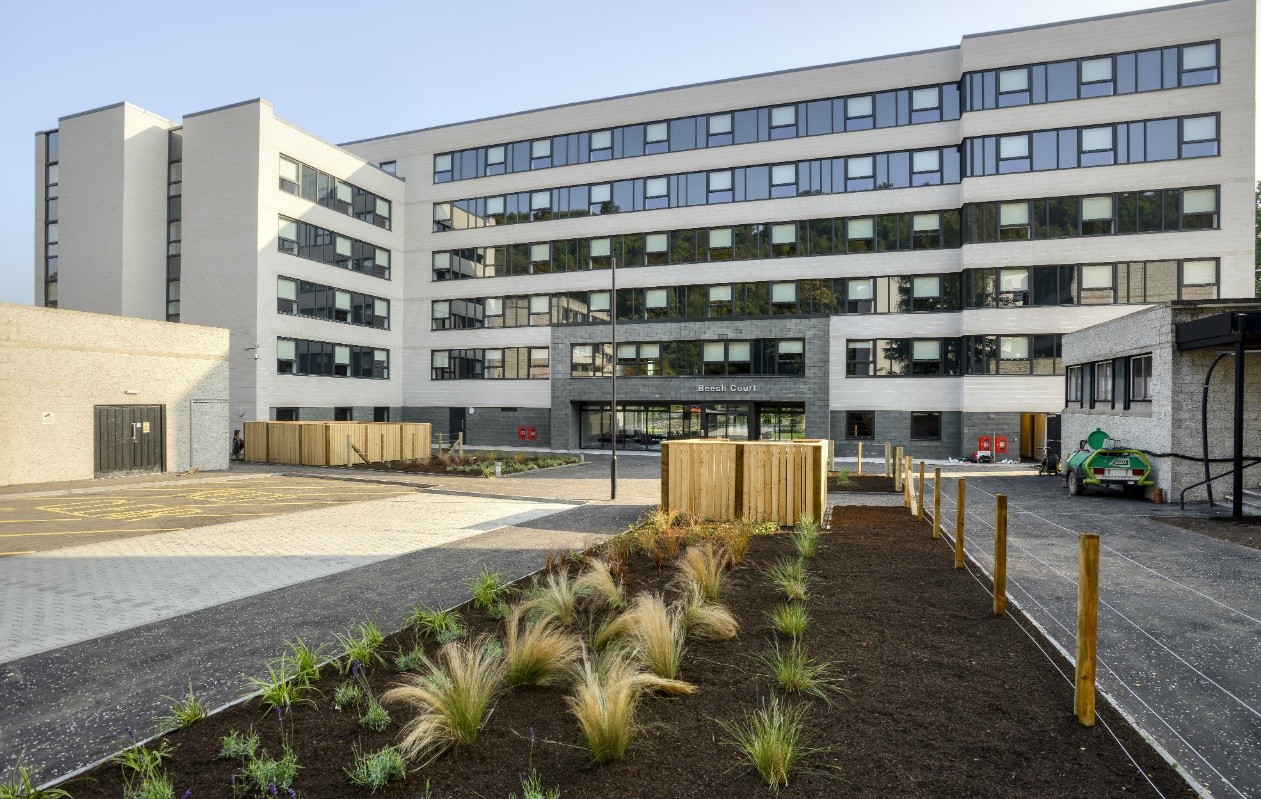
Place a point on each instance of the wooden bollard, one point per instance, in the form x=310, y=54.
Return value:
x=1087, y=627
x=960, y=506
x=888, y=454
x=908, y=482
x=896, y=468
x=860, y=458
x=1000, y=554
x=919, y=503
x=936, y=502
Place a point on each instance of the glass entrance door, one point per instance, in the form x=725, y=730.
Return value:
x=727, y=421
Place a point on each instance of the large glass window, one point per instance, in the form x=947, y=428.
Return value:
x=331, y=192
x=318, y=244
x=925, y=425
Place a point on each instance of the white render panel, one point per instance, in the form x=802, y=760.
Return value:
x=144, y=206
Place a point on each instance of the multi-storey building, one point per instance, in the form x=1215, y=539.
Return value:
x=884, y=249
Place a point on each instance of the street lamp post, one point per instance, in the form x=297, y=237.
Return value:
x=613, y=381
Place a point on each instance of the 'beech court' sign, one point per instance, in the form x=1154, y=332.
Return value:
x=728, y=389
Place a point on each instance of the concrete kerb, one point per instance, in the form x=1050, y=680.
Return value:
x=1012, y=602
x=247, y=697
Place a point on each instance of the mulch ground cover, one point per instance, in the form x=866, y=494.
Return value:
x=1245, y=531
x=861, y=483
x=940, y=699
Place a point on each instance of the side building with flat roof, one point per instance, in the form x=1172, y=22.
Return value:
x=884, y=250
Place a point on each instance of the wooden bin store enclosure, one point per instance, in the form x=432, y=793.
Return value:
x=762, y=481
x=330, y=443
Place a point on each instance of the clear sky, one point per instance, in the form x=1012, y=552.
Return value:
x=349, y=70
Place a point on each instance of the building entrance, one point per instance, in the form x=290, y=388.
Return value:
x=643, y=426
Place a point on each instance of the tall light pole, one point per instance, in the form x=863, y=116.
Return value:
x=613, y=380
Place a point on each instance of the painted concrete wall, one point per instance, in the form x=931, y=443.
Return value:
x=64, y=363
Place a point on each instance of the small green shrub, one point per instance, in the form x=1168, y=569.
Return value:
x=789, y=576
x=184, y=712
x=770, y=739
x=806, y=537
x=790, y=619
x=375, y=718
x=306, y=660
x=428, y=621
x=409, y=661
x=141, y=760
x=451, y=634
x=150, y=786
x=280, y=689
x=260, y=772
x=235, y=746
x=374, y=770
x=796, y=673
x=488, y=589
x=21, y=784
x=361, y=646
x=348, y=694
x=532, y=788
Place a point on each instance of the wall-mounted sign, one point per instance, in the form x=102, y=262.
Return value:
x=732, y=388
x=49, y=417
x=144, y=428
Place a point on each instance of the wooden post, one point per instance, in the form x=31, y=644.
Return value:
x=960, y=506
x=895, y=468
x=904, y=469
x=919, y=500
x=459, y=440
x=860, y=458
x=348, y=446
x=665, y=475
x=1087, y=627
x=1000, y=554
x=887, y=455
x=936, y=502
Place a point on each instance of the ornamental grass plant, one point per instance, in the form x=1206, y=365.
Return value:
x=536, y=652
x=451, y=695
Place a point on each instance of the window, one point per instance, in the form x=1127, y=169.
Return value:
x=783, y=180
x=859, y=173
x=861, y=235
x=1013, y=86
x=860, y=295
x=1013, y=286
x=600, y=253
x=1073, y=385
x=656, y=132
x=1097, y=146
x=1199, y=136
x=783, y=240
x=720, y=186
x=790, y=357
x=720, y=301
x=540, y=153
x=1199, y=280
x=1096, y=215
x=288, y=236
x=926, y=104
x=926, y=167
x=1013, y=147
x=442, y=164
x=288, y=175
x=324, y=189
x=1013, y=221
x=926, y=231
x=926, y=357
x=1101, y=390
x=860, y=425
x=715, y=355
x=1096, y=283
x=1199, y=209
x=657, y=248
x=719, y=124
x=1096, y=77
x=538, y=363
x=926, y=293
x=859, y=358
x=783, y=298
x=656, y=187
x=858, y=113
x=1013, y=354
x=720, y=244
x=540, y=258
x=925, y=426
x=1199, y=64
x=286, y=356
x=1140, y=378
x=783, y=115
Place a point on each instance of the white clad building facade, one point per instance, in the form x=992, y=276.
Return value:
x=885, y=250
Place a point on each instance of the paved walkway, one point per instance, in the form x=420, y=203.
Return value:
x=1179, y=618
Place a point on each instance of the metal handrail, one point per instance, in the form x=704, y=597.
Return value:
x=1182, y=498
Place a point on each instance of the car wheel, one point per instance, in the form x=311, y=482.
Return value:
x=1075, y=487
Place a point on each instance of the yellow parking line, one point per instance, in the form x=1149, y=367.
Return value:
x=22, y=552
x=89, y=532
x=31, y=521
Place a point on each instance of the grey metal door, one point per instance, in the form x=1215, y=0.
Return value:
x=130, y=438
x=458, y=421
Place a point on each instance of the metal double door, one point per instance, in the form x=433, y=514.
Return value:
x=130, y=438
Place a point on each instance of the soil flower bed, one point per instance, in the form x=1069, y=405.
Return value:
x=859, y=483
x=473, y=464
x=918, y=690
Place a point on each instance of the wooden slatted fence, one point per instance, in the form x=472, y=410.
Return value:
x=761, y=481
x=330, y=443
